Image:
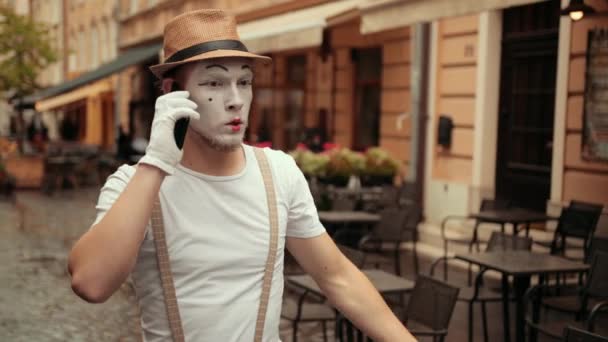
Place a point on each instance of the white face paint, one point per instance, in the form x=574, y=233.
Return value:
x=223, y=92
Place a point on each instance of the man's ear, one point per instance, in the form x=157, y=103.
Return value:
x=167, y=85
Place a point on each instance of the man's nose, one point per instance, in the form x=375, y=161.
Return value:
x=234, y=101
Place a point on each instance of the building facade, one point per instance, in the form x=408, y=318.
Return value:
x=505, y=78
x=510, y=77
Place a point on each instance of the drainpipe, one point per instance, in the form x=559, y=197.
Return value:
x=419, y=108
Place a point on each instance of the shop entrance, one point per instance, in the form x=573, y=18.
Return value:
x=527, y=101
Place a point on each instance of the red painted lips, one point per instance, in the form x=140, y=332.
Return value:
x=235, y=124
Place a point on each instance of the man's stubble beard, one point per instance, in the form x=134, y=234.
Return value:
x=219, y=144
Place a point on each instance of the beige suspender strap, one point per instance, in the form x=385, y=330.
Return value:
x=273, y=217
x=166, y=277
x=164, y=266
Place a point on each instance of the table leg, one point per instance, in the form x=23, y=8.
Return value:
x=533, y=333
x=520, y=285
x=506, y=321
x=350, y=334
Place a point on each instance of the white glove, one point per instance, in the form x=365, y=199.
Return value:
x=162, y=152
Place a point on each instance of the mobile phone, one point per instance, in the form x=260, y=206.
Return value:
x=181, y=125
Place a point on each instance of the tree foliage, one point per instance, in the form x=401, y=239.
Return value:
x=26, y=49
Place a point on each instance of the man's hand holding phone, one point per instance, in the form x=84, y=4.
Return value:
x=162, y=151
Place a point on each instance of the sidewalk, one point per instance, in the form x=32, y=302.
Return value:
x=36, y=299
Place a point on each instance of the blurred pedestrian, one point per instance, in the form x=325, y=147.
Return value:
x=37, y=133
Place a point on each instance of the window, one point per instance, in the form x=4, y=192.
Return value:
x=103, y=41
x=81, y=51
x=368, y=71
x=72, y=62
x=94, y=47
x=57, y=73
x=113, y=40
x=134, y=6
x=294, y=100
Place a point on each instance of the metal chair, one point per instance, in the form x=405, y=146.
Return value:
x=355, y=256
x=572, y=334
x=430, y=307
x=307, y=308
x=486, y=204
x=428, y=312
x=388, y=197
x=577, y=221
x=396, y=225
x=343, y=204
x=575, y=303
x=478, y=293
x=596, y=286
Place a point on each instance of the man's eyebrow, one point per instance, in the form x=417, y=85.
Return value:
x=217, y=66
x=245, y=67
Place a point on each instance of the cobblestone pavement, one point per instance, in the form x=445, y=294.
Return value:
x=35, y=296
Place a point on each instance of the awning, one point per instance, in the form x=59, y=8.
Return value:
x=389, y=14
x=126, y=59
x=293, y=30
x=83, y=92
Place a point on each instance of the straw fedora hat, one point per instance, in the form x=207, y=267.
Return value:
x=200, y=35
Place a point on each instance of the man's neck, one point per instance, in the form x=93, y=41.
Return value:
x=201, y=157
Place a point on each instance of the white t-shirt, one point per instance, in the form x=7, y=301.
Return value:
x=217, y=235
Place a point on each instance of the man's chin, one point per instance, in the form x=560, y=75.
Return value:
x=225, y=144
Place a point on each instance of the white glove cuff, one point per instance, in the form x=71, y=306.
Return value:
x=150, y=160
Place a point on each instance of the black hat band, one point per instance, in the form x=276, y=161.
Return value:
x=206, y=47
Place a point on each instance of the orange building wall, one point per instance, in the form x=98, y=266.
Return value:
x=395, y=98
x=583, y=180
x=456, y=73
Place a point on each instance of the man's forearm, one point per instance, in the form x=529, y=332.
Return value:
x=355, y=296
x=105, y=255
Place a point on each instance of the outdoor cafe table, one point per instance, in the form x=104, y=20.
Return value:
x=386, y=283
x=514, y=216
x=346, y=217
x=521, y=265
x=363, y=193
x=336, y=220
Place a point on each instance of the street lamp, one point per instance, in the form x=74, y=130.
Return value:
x=577, y=9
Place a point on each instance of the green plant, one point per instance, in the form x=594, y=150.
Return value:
x=26, y=50
x=314, y=164
x=344, y=163
x=378, y=162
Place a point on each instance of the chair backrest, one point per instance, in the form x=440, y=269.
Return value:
x=432, y=303
x=494, y=204
x=579, y=220
x=389, y=197
x=572, y=334
x=343, y=204
x=317, y=192
x=407, y=193
x=395, y=221
x=597, y=284
x=580, y=205
x=357, y=257
x=506, y=242
x=597, y=244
